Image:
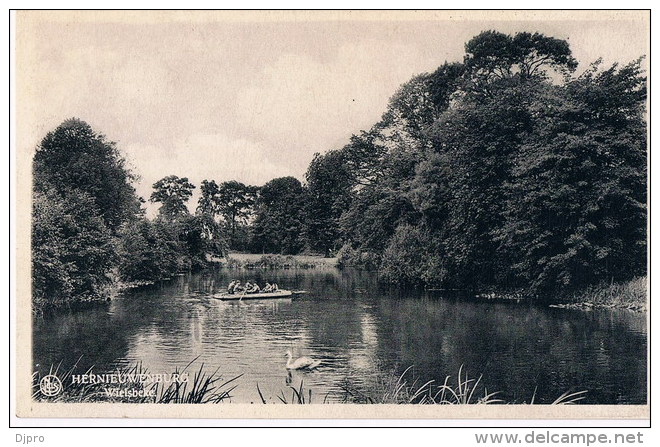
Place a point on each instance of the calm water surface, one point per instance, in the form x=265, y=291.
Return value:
x=360, y=331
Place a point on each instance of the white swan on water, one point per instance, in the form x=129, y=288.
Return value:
x=300, y=363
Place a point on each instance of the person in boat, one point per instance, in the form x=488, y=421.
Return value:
x=251, y=288
x=267, y=288
x=275, y=288
x=231, y=288
x=238, y=288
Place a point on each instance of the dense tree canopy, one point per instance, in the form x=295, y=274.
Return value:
x=72, y=249
x=576, y=208
x=505, y=172
x=493, y=55
x=88, y=230
x=148, y=251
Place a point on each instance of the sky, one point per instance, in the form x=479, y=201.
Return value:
x=252, y=96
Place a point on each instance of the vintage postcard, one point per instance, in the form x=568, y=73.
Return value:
x=332, y=214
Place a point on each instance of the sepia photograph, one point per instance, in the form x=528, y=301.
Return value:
x=332, y=214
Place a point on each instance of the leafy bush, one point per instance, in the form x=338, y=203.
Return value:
x=356, y=257
x=73, y=252
x=411, y=256
x=148, y=251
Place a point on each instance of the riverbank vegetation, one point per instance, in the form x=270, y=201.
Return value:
x=630, y=295
x=506, y=171
x=245, y=260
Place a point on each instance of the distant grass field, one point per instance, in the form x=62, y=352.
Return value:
x=250, y=258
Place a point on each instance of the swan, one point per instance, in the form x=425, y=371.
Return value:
x=300, y=363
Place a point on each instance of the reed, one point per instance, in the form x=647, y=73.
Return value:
x=389, y=389
x=464, y=393
x=299, y=396
x=569, y=398
x=403, y=389
x=629, y=295
x=203, y=388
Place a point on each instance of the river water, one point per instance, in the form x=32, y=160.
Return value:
x=364, y=334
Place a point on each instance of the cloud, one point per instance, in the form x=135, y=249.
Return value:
x=314, y=104
x=248, y=100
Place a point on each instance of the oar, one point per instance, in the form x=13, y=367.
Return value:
x=242, y=295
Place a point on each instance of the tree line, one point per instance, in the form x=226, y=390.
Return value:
x=503, y=171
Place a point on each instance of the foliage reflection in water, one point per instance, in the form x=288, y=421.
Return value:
x=358, y=330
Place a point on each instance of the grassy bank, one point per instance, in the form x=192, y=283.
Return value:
x=272, y=261
x=630, y=295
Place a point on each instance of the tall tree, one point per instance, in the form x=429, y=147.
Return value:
x=475, y=142
x=172, y=193
x=82, y=196
x=74, y=156
x=233, y=202
x=208, y=201
x=329, y=190
x=279, y=221
x=493, y=56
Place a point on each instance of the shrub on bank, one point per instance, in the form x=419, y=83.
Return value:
x=73, y=251
x=410, y=257
x=357, y=258
x=630, y=294
x=147, y=251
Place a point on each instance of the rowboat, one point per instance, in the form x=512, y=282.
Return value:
x=252, y=296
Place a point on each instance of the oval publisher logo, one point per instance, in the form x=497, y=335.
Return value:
x=50, y=385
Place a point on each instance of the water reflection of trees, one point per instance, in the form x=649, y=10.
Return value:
x=519, y=349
